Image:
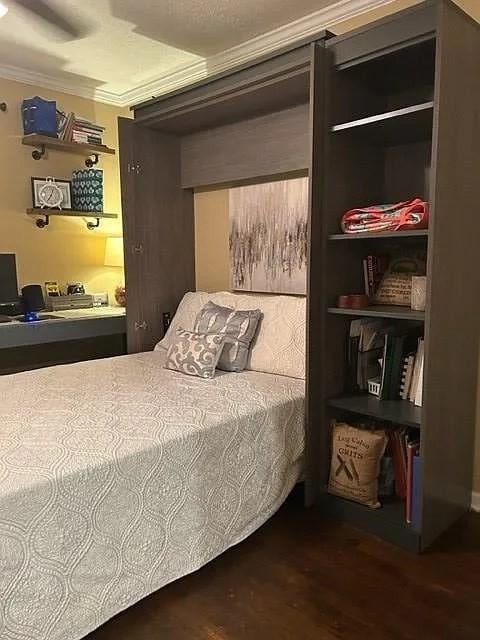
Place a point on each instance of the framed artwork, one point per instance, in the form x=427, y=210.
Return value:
x=50, y=193
x=268, y=237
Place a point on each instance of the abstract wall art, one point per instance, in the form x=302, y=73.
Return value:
x=268, y=236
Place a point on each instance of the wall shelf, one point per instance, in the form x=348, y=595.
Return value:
x=418, y=233
x=381, y=311
x=45, y=214
x=399, y=412
x=45, y=142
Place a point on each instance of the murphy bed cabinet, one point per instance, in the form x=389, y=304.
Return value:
x=381, y=114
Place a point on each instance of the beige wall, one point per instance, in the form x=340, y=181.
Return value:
x=66, y=250
x=211, y=208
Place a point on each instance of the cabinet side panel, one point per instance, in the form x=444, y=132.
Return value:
x=452, y=323
x=316, y=434
x=161, y=260
x=126, y=137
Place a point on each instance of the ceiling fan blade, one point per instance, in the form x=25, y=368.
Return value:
x=53, y=17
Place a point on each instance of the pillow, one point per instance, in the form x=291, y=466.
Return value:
x=196, y=354
x=185, y=316
x=238, y=327
x=355, y=465
x=280, y=343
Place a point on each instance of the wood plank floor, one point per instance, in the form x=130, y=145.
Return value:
x=300, y=578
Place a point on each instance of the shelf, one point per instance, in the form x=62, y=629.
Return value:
x=400, y=125
x=401, y=412
x=388, y=522
x=381, y=311
x=420, y=233
x=71, y=214
x=66, y=213
x=79, y=148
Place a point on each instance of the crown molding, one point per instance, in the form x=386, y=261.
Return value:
x=27, y=76
x=266, y=43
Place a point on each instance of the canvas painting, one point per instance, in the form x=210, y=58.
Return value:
x=268, y=237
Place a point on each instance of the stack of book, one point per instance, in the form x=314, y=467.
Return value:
x=73, y=129
x=87, y=132
x=385, y=360
x=404, y=449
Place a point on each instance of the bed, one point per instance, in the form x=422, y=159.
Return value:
x=118, y=476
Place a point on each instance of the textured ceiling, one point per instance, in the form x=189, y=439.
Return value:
x=134, y=41
x=133, y=45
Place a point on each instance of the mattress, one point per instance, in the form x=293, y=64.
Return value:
x=118, y=476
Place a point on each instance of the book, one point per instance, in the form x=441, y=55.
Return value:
x=417, y=493
x=419, y=392
x=365, y=278
x=396, y=367
x=413, y=448
x=406, y=376
x=399, y=462
x=417, y=372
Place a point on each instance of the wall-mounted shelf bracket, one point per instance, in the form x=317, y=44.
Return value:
x=93, y=225
x=43, y=222
x=38, y=154
x=3, y=106
x=91, y=160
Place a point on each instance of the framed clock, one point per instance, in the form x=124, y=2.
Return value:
x=50, y=193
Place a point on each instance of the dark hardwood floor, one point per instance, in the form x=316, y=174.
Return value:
x=300, y=578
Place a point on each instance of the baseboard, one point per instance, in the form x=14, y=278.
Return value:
x=475, y=501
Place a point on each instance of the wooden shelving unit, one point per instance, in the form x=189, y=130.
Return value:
x=410, y=69
x=43, y=216
x=45, y=142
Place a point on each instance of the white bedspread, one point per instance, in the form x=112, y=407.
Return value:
x=118, y=476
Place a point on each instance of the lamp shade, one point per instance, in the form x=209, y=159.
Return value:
x=114, y=252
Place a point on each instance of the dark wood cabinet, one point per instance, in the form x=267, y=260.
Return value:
x=379, y=114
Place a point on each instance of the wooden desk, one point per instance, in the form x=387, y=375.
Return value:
x=75, y=335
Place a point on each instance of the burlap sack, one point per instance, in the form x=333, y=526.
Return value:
x=355, y=464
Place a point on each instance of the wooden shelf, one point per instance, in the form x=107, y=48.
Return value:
x=400, y=125
x=420, y=233
x=381, y=311
x=71, y=214
x=43, y=216
x=399, y=412
x=388, y=522
x=79, y=148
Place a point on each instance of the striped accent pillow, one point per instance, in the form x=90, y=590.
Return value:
x=238, y=327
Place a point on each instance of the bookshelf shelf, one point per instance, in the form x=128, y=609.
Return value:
x=381, y=311
x=414, y=121
x=420, y=233
x=388, y=522
x=399, y=412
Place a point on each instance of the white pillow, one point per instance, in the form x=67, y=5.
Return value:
x=280, y=344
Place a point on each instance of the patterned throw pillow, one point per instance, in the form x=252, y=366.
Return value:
x=193, y=353
x=238, y=327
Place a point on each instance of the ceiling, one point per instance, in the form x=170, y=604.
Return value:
x=138, y=48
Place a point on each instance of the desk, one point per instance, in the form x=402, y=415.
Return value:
x=80, y=334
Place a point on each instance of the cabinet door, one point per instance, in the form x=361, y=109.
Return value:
x=158, y=229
